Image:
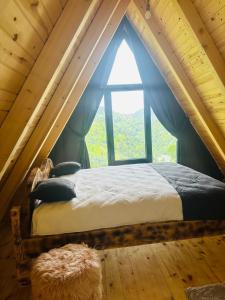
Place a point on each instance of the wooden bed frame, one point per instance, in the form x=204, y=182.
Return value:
x=28, y=246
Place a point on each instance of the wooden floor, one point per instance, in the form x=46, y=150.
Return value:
x=151, y=272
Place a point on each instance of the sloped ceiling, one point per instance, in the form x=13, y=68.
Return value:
x=50, y=48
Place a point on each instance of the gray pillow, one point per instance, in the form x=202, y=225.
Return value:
x=54, y=189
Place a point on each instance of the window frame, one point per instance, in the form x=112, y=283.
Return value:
x=109, y=123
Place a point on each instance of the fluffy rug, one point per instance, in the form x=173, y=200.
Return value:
x=72, y=272
x=207, y=292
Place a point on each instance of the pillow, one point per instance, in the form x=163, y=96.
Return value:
x=54, y=189
x=65, y=168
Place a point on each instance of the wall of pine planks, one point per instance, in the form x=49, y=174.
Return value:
x=24, y=28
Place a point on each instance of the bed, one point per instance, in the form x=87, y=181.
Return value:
x=118, y=206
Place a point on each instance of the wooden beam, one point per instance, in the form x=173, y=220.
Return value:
x=204, y=38
x=68, y=93
x=40, y=81
x=215, y=136
x=69, y=108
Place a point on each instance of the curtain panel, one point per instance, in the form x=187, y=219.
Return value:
x=71, y=145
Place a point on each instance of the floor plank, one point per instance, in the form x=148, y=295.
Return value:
x=159, y=271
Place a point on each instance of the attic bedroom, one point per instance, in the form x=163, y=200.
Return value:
x=112, y=157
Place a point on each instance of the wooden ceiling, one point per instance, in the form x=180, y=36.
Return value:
x=49, y=50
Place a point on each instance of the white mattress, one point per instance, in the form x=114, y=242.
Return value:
x=109, y=197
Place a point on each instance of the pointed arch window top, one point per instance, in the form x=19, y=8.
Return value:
x=124, y=69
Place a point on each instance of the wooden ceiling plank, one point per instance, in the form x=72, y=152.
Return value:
x=13, y=61
x=31, y=13
x=3, y=114
x=3, y=4
x=69, y=91
x=5, y=105
x=198, y=27
x=6, y=82
x=7, y=96
x=209, y=7
x=13, y=21
x=63, y=3
x=217, y=20
x=38, y=83
x=215, y=136
x=8, y=45
x=53, y=8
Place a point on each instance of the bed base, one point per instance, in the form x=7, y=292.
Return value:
x=28, y=247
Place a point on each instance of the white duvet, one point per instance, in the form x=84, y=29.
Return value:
x=109, y=197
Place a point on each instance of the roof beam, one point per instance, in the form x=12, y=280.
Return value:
x=214, y=134
x=68, y=93
x=32, y=97
x=204, y=38
x=69, y=108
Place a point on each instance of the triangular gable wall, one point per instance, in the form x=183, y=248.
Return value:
x=65, y=149
x=31, y=144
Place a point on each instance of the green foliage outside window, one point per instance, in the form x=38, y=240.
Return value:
x=163, y=143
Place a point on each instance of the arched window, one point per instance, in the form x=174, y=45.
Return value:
x=125, y=129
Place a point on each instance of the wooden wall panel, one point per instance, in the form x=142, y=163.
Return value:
x=212, y=13
x=10, y=80
x=54, y=9
x=13, y=55
x=6, y=102
x=215, y=61
x=17, y=26
x=193, y=57
x=63, y=2
x=3, y=114
x=37, y=16
x=24, y=27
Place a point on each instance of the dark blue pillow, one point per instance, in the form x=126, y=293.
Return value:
x=65, y=168
x=54, y=189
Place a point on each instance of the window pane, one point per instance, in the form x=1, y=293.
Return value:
x=164, y=145
x=96, y=139
x=128, y=124
x=125, y=68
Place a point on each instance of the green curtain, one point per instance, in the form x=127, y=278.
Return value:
x=191, y=151
x=71, y=145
